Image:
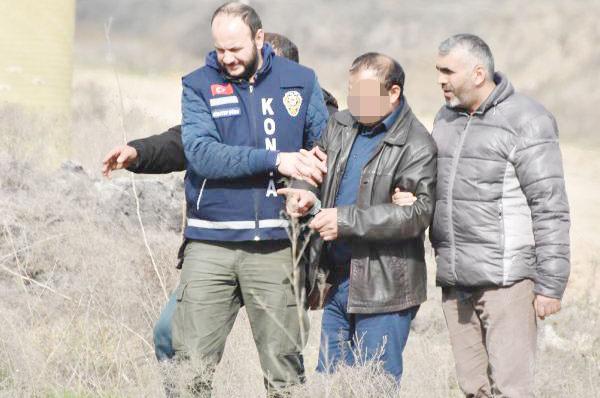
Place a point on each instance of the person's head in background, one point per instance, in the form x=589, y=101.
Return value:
x=283, y=46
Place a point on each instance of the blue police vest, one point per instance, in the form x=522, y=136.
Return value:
x=269, y=114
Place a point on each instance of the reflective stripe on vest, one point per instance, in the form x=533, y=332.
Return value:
x=273, y=223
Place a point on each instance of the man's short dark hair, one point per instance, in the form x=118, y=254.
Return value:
x=387, y=68
x=245, y=12
x=473, y=45
x=283, y=46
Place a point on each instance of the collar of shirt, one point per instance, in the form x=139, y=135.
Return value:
x=385, y=124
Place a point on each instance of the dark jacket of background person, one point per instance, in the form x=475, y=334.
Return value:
x=163, y=153
x=501, y=212
x=388, y=263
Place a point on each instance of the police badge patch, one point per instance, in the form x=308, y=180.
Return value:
x=292, y=101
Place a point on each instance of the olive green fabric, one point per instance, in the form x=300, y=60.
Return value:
x=216, y=278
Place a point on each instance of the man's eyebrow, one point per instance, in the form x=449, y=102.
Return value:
x=444, y=69
x=234, y=48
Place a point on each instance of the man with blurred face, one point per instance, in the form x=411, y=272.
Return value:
x=501, y=221
x=367, y=249
x=246, y=113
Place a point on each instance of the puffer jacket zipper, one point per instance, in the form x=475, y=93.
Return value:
x=453, y=170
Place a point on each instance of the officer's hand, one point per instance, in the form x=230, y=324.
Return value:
x=119, y=157
x=313, y=165
x=298, y=201
x=402, y=198
x=287, y=164
x=303, y=165
x=317, y=154
x=325, y=223
x=545, y=306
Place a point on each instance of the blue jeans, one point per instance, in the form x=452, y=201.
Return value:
x=356, y=338
x=163, y=331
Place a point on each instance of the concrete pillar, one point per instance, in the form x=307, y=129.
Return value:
x=36, y=45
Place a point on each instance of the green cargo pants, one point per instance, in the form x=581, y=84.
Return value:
x=215, y=279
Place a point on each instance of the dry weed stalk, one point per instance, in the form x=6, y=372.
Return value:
x=121, y=113
x=299, y=235
x=22, y=274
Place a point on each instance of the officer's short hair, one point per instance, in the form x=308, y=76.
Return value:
x=473, y=45
x=283, y=46
x=388, y=69
x=244, y=11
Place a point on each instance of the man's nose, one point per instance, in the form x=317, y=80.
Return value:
x=228, y=58
x=442, y=78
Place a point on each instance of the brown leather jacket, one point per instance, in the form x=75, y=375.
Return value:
x=388, y=263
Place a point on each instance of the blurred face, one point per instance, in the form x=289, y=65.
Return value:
x=238, y=52
x=368, y=99
x=457, y=78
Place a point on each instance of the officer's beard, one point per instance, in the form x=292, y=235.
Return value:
x=250, y=67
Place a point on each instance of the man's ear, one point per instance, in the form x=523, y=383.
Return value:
x=479, y=75
x=395, y=93
x=259, y=39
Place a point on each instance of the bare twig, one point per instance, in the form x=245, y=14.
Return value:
x=22, y=274
x=124, y=326
x=275, y=320
x=61, y=339
x=8, y=270
x=10, y=240
x=26, y=247
x=299, y=243
x=107, y=27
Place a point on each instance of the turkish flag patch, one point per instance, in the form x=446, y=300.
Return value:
x=221, y=89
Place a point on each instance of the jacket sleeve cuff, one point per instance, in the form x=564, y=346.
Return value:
x=546, y=291
x=138, y=145
x=344, y=213
x=271, y=160
x=262, y=160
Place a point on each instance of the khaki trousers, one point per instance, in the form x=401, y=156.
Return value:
x=215, y=280
x=493, y=335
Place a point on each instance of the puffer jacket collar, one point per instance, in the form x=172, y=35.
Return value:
x=501, y=92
